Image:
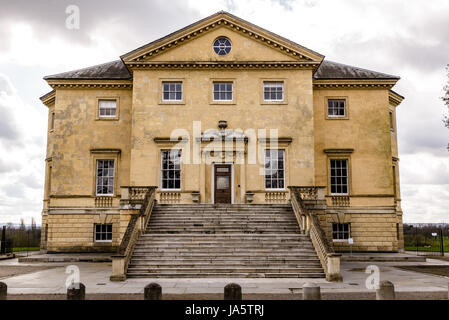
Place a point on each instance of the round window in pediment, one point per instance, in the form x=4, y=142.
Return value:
x=222, y=46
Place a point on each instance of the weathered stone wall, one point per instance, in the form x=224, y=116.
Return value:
x=370, y=231
x=75, y=233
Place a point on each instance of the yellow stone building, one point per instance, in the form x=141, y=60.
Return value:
x=221, y=111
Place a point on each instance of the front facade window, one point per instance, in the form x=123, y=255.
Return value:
x=172, y=91
x=171, y=169
x=339, y=176
x=103, y=232
x=223, y=91
x=273, y=91
x=341, y=231
x=336, y=108
x=222, y=46
x=105, y=178
x=107, y=108
x=274, y=169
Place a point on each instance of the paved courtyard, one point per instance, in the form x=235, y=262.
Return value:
x=39, y=279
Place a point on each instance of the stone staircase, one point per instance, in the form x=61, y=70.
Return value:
x=224, y=241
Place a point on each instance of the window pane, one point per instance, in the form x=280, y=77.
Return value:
x=171, y=169
x=274, y=169
x=172, y=91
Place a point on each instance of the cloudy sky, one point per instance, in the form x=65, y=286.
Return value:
x=402, y=37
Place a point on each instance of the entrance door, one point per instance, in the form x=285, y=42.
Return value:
x=222, y=183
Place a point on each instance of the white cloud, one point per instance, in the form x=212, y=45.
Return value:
x=409, y=38
x=21, y=183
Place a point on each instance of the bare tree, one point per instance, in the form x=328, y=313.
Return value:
x=445, y=99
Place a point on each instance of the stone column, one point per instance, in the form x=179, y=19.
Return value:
x=232, y=291
x=3, y=291
x=203, y=179
x=153, y=291
x=385, y=291
x=76, y=291
x=311, y=291
x=242, y=177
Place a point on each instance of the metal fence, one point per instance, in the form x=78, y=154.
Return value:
x=6, y=247
x=426, y=241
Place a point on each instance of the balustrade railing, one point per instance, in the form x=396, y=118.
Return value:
x=145, y=197
x=310, y=224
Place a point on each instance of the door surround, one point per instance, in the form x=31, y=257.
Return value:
x=213, y=181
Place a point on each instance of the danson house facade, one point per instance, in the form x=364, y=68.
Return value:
x=221, y=114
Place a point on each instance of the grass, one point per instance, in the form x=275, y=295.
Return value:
x=425, y=244
x=26, y=249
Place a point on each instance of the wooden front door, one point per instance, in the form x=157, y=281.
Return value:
x=222, y=183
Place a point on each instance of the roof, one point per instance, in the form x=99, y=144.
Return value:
x=335, y=70
x=218, y=14
x=114, y=70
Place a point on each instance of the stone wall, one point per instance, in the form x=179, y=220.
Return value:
x=75, y=233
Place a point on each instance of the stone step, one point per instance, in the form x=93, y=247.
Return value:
x=235, y=264
x=250, y=252
x=229, y=255
x=248, y=241
x=168, y=242
x=245, y=236
x=225, y=275
x=296, y=260
x=195, y=270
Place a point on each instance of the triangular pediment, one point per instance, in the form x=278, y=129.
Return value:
x=249, y=43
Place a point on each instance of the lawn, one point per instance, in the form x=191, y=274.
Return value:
x=426, y=244
x=26, y=249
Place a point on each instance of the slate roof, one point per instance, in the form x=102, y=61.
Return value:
x=335, y=70
x=116, y=70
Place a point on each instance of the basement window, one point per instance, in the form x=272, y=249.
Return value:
x=103, y=232
x=340, y=231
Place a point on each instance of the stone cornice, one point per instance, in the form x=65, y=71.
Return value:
x=106, y=150
x=355, y=84
x=191, y=65
x=338, y=151
x=91, y=84
x=48, y=98
x=221, y=20
x=279, y=140
x=170, y=140
x=394, y=98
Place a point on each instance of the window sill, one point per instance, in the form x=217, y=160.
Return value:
x=103, y=241
x=278, y=190
x=337, y=118
x=340, y=240
x=174, y=102
x=280, y=102
x=222, y=102
x=107, y=119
